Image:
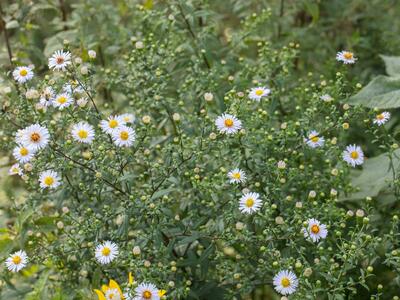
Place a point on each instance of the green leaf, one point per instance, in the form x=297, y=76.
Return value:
x=12, y=24
x=6, y=245
x=392, y=64
x=162, y=193
x=375, y=176
x=312, y=9
x=381, y=92
x=39, y=291
x=56, y=41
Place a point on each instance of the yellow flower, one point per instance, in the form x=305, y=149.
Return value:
x=107, y=291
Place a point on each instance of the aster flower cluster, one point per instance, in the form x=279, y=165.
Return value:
x=228, y=180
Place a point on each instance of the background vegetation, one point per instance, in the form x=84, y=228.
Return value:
x=213, y=35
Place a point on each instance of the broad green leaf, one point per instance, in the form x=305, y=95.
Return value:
x=12, y=24
x=381, y=92
x=392, y=64
x=39, y=291
x=56, y=41
x=6, y=244
x=161, y=193
x=148, y=4
x=312, y=9
x=374, y=178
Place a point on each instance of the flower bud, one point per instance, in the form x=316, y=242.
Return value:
x=239, y=226
x=136, y=250
x=146, y=119
x=307, y=272
x=92, y=54
x=139, y=45
x=60, y=225
x=208, y=96
x=281, y=165
x=84, y=70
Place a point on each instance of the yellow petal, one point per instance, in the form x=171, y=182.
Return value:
x=114, y=285
x=100, y=295
x=130, y=278
x=104, y=288
x=162, y=293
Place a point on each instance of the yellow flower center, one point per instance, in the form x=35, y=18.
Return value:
x=23, y=72
x=348, y=55
x=48, y=180
x=236, y=175
x=285, y=282
x=314, y=138
x=106, y=251
x=147, y=295
x=354, y=155
x=315, y=229
x=259, y=92
x=62, y=100
x=113, y=123
x=23, y=151
x=228, y=122
x=380, y=117
x=249, y=202
x=16, y=259
x=124, y=135
x=83, y=134
x=111, y=296
x=35, y=137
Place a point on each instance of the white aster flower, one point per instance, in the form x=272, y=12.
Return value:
x=128, y=118
x=382, y=118
x=15, y=169
x=19, y=136
x=314, y=140
x=23, y=153
x=346, y=57
x=47, y=97
x=326, y=98
x=34, y=136
x=353, y=155
x=258, y=92
x=128, y=294
x=285, y=282
x=73, y=87
x=111, y=124
x=315, y=231
x=236, y=176
x=22, y=74
x=250, y=203
x=17, y=261
x=106, y=252
x=83, y=132
x=49, y=179
x=82, y=102
x=147, y=291
x=60, y=60
x=124, y=136
x=228, y=124
x=63, y=100
x=112, y=294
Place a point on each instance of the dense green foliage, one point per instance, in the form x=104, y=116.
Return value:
x=166, y=201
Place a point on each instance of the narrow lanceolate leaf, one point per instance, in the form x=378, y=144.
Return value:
x=375, y=177
x=382, y=92
x=392, y=64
